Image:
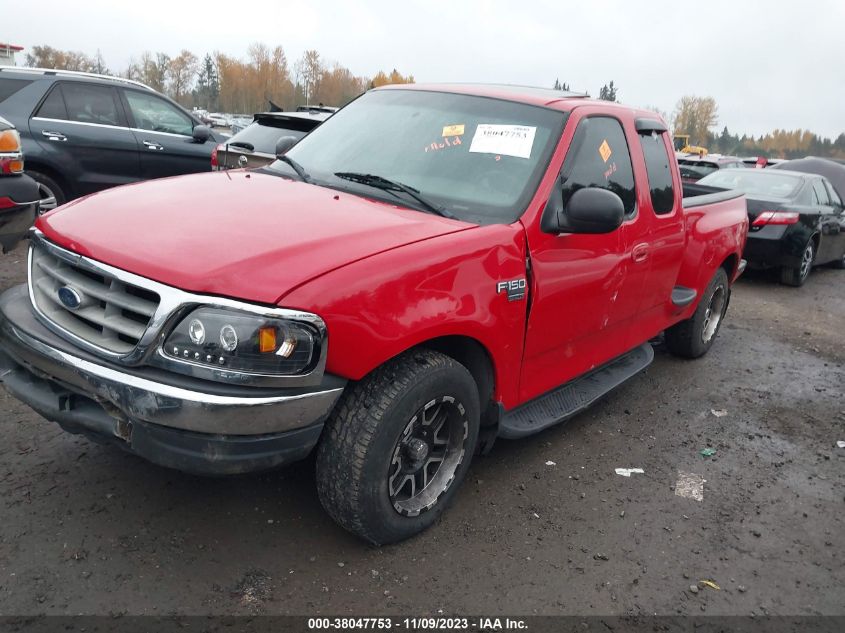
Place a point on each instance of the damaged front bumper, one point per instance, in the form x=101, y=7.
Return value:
x=175, y=421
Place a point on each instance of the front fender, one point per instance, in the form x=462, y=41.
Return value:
x=378, y=307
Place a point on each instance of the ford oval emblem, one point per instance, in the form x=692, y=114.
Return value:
x=69, y=297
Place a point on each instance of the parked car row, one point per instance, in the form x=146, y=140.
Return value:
x=797, y=217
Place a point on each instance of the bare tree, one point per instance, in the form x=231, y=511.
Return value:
x=309, y=69
x=182, y=71
x=696, y=116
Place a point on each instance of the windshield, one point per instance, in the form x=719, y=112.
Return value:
x=479, y=159
x=754, y=182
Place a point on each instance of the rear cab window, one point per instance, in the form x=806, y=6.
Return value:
x=599, y=157
x=659, y=171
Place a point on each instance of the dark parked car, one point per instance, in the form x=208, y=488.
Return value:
x=255, y=146
x=828, y=167
x=797, y=220
x=694, y=168
x=18, y=192
x=83, y=132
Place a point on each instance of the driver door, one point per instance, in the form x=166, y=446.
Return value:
x=165, y=136
x=582, y=302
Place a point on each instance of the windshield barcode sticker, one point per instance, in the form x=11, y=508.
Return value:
x=507, y=140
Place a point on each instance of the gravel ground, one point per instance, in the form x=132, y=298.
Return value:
x=542, y=526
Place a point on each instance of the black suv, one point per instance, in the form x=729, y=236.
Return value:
x=83, y=132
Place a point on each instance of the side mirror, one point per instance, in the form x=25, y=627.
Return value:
x=201, y=133
x=284, y=144
x=589, y=210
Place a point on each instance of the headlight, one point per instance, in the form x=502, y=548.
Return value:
x=240, y=342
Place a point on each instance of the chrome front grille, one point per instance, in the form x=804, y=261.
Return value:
x=111, y=314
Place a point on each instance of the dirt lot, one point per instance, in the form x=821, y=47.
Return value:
x=88, y=529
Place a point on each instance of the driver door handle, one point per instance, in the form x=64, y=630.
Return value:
x=153, y=146
x=639, y=253
x=54, y=136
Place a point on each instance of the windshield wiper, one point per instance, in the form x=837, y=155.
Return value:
x=299, y=169
x=379, y=182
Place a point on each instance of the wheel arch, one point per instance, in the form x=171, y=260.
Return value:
x=730, y=264
x=47, y=170
x=470, y=353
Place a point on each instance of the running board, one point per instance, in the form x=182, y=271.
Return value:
x=575, y=396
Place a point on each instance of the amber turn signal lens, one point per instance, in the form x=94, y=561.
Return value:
x=267, y=339
x=10, y=141
x=11, y=165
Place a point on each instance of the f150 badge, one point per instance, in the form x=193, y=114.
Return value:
x=515, y=289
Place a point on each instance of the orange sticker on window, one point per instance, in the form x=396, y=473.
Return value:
x=604, y=150
x=453, y=130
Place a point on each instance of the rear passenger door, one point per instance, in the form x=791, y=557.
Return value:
x=659, y=195
x=83, y=130
x=165, y=136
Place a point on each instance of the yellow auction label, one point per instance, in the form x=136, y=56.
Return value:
x=604, y=150
x=453, y=130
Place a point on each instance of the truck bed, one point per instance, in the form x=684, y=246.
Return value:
x=696, y=195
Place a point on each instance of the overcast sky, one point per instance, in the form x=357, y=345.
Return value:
x=768, y=64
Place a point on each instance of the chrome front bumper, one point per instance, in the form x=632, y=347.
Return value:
x=83, y=393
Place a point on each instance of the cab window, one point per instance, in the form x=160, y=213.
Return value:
x=157, y=115
x=599, y=157
x=659, y=172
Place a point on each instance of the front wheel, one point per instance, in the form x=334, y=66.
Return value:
x=398, y=445
x=694, y=337
x=797, y=275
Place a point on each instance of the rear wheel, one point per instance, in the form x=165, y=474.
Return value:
x=50, y=192
x=840, y=263
x=398, y=446
x=694, y=337
x=797, y=275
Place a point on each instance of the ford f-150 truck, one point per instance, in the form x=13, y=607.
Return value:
x=433, y=267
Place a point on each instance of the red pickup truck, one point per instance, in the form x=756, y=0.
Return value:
x=434, y=267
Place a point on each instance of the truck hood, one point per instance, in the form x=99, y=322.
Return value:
x=243, y=235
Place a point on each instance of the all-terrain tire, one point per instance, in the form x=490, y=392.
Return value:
x=796, y=275
x=362, y=435
x=693, y=337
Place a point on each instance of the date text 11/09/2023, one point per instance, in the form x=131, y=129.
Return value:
x=419, y=624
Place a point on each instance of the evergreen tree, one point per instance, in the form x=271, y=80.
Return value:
x=608, y=92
